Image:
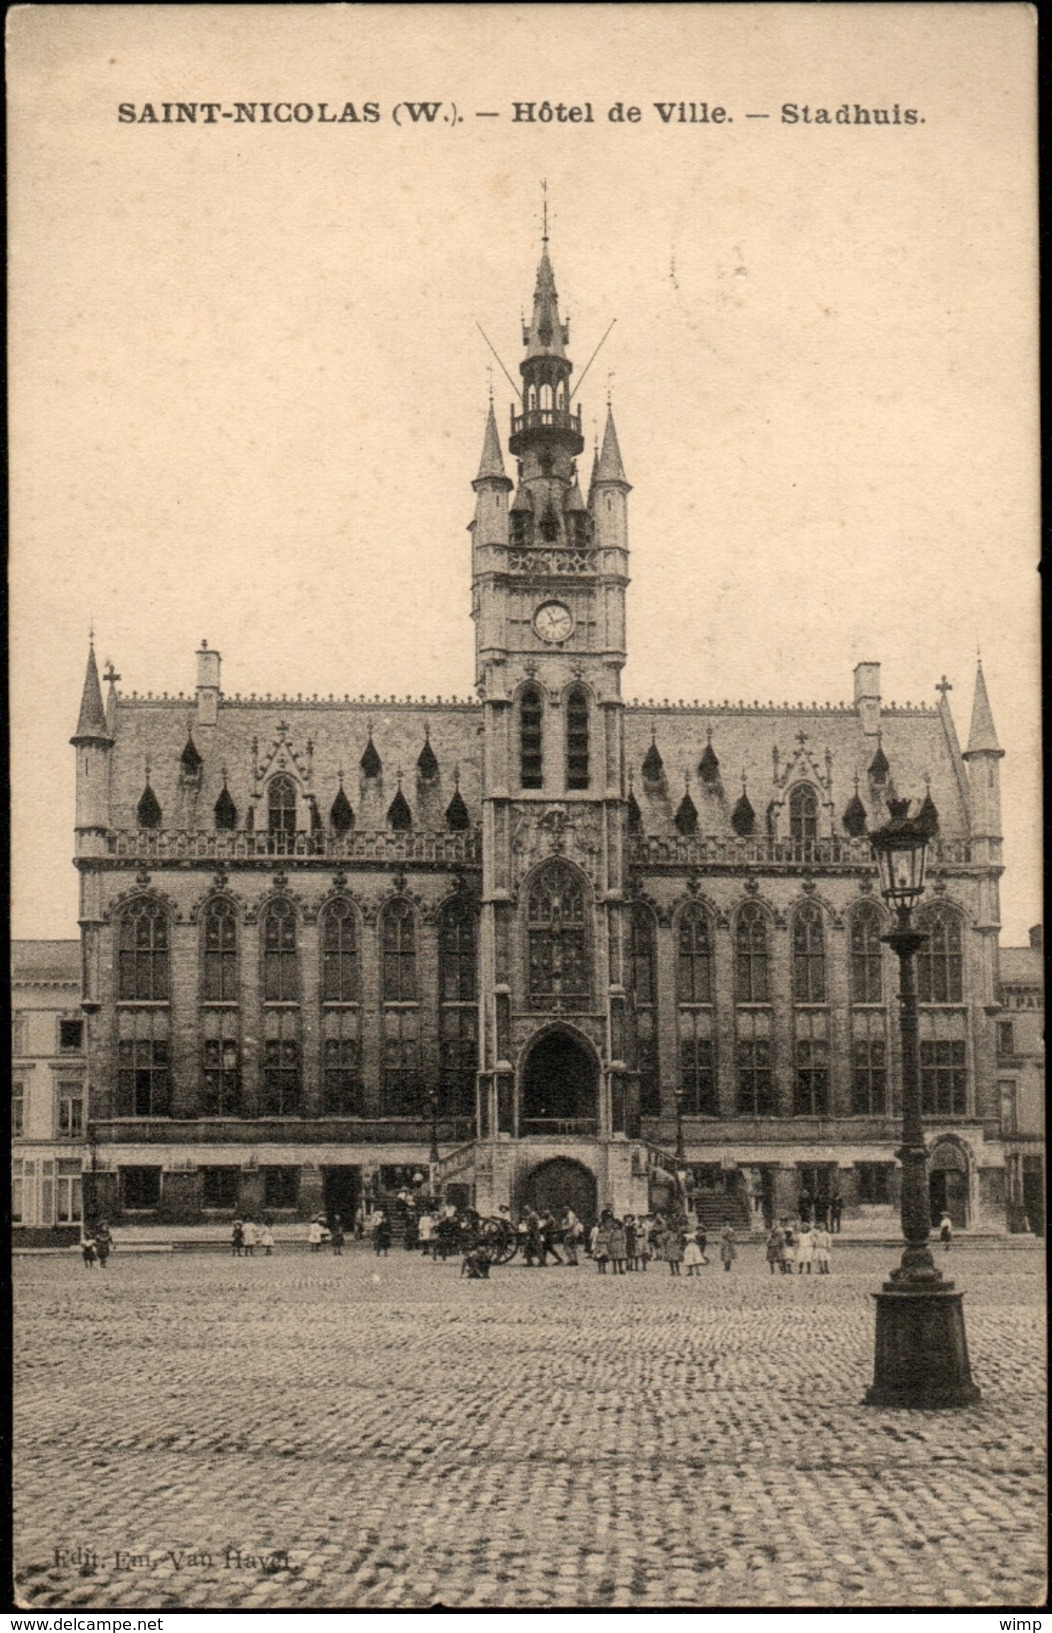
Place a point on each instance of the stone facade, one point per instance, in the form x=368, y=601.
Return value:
x=1021, y=1081
x=48, y=1091
x=551, y=930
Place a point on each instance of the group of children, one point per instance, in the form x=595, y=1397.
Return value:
x=631, y=1243
x=801, y=1244
x=247, y=1236
x=96, y=1243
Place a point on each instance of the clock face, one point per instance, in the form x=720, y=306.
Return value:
x=553, y=622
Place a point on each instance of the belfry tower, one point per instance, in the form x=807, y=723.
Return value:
x=549, y=576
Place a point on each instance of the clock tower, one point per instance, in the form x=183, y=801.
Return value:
x=549, y=576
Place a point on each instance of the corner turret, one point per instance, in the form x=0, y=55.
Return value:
x=984, y=777
x=93, y=743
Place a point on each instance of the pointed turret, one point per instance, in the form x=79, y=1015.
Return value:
x=491, y=465
x=91, y=722
x=984, y=786
x=610, y=468
x=982, y=739
x=93, y=741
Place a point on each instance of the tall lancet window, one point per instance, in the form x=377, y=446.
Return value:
x=531, y=738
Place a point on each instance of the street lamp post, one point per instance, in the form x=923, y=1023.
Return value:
x=921, y=1354
x=681, y=1152
x=433, y=1154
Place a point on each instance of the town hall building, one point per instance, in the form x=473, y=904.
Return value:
x=542, y=934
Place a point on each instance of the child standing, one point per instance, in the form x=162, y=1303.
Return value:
x=823, y=1242
x=945, y=1231
x=336, y=1237
x=728, y=1251
x=805, y=1246
x=237, y=1238
x=693, y=1257
x=266, y=1240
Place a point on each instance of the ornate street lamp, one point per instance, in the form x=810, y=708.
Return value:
x=921, y=1350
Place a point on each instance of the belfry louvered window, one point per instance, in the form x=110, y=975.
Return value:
x=577, y=738
x=531, y=738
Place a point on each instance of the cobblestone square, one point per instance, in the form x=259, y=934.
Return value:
x=194, y=1431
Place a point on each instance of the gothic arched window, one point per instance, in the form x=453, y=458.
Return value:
x=557, y=937
x=219, y=985
x=281, y=814
x=142, y=954
x=809, y=955
x=398, y=947
x=280, y=963
x=339, y=954
x=457, y=939
x=940, y=961
x=750, y=955
x=803, y=815
x=577, y=738
x=694, y=957
x=867, y=960
x=531, y=738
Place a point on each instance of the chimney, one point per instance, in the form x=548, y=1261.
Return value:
x=1036, y=939
x=207, y=685
x=867, y=696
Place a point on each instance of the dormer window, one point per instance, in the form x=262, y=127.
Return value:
x=281, y=813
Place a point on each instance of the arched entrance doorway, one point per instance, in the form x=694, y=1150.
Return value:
x=560, y=1184
x=948, y=1183
x=560, y=1087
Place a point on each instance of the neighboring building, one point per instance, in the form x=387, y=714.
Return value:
x=48, y=1125
x=1021, y=1080
x=562, y=916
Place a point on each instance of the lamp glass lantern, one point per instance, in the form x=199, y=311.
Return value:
x=901, y=849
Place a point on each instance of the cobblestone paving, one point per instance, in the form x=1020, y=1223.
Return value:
x=397, y=1437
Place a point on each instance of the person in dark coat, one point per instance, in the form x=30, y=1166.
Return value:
x=382, y=1235
x=336, y=1236
x=103, y=1243
x=237, y=1238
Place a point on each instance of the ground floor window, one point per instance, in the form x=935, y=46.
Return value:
x=219, y=1187
x=281, y=1187
x=874, y=1182
x=140, y=1188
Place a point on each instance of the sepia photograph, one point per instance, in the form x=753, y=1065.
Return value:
x=526, y=754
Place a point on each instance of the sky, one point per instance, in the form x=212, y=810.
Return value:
x=248, y=388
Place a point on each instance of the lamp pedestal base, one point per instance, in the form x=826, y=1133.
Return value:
x=922, y=1352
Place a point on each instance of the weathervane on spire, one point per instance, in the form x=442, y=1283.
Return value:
x=544, y=211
